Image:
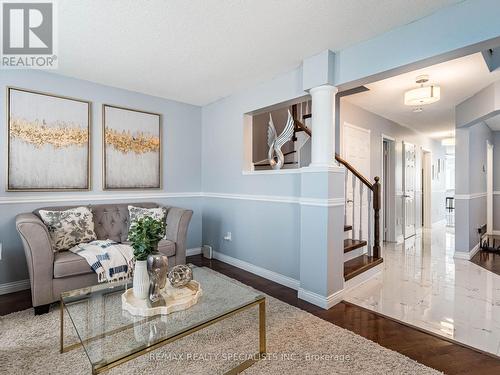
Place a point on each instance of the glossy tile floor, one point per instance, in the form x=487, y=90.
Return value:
x=424, y=286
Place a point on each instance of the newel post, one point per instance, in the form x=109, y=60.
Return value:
x=376, y=209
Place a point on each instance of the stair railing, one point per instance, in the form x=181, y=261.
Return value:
x=373, y=202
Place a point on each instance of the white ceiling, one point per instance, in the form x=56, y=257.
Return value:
x=198, y=51
x=459, y=79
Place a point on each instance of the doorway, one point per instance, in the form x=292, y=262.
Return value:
x=489, y=188
x=409, y=186
x=426, y=188
x=388, y=189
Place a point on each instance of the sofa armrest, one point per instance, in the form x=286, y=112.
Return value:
x=39, y=257
x=177, y=224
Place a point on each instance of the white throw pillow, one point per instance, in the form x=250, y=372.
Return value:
x=137, y=213
x=69, y=227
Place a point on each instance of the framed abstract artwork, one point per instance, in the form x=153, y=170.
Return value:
x=48, y=142
x=132, y=148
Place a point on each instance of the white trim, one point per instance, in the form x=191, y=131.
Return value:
x=495, y=232
x=272, y=171
x=331, y=202
x=496, y=192
x=466, y=255
x=14, y=286
x=254, y=197
x=470, y=196
x=10, y=199
x=323, y=168
x=193, y=251
x=388, y=137
x=319, y=300
x=262, y=272
x=137, y=197
x=439, y=222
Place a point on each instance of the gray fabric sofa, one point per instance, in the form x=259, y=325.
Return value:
x=53, y=273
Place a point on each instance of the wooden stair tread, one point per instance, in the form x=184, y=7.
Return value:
x=347, y=228
x=350, y=244
x=360, y=264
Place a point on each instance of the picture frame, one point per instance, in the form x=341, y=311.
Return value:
x=48, y=141
x=132, y=142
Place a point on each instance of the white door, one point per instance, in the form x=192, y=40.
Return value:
x=356, y=150
x=489, y=187
x=409, y=177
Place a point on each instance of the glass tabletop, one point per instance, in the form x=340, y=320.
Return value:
x=109, y=333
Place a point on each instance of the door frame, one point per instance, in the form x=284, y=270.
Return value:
x=427, y=187
x=489, y=187
x=388, y=206
x=405, y=236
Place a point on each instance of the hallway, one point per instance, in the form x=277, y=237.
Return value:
x=424, y=286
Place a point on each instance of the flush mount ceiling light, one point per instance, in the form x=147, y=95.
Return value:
x=424, y=94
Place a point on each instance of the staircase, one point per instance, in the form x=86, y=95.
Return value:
x=361, y=209
x=361, y=222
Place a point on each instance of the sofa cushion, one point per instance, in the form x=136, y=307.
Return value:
x=67, y=264
x=137, y=213
x=69, y=227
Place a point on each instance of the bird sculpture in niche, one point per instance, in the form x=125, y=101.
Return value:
x=275, y=142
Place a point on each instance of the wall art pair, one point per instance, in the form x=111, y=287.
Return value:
x=49, y=144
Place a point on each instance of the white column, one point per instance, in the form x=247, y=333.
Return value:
x=323, y=125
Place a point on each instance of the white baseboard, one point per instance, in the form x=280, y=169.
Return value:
x=265, y=273
x=14, y=286
x=193, y=251
x=495, y=232
x=319, y=300
x=440, y=222
x=466, y=255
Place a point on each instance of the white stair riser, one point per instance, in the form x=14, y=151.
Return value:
x=355, y=253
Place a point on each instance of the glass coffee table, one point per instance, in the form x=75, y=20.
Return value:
x=111, y=336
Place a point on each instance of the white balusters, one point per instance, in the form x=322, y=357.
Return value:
x=361, y=189
x=353, y=201
x=345, y=195
x=370, y=213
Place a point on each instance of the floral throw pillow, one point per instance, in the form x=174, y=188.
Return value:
x=137, y=213
x=70, y=227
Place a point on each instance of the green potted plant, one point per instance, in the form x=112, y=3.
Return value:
x=144, y=235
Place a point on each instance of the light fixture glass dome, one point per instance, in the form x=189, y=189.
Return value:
x=423, y=95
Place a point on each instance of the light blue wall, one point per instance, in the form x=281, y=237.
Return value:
x=264, y=233
x=470, y=180
x=181, y=158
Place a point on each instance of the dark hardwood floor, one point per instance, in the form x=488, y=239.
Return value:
x=488, y=260
x=427, y=349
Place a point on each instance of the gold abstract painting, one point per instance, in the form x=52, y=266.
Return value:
x=132, y=148
x=48, y=142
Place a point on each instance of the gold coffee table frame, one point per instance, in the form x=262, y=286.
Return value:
x=260, y=301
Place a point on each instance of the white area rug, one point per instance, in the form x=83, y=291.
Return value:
x=297, y=342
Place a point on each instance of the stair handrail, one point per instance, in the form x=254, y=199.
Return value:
x=354, y=171
x=375, y=188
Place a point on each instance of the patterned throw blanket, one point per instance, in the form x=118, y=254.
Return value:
x=111, y=261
